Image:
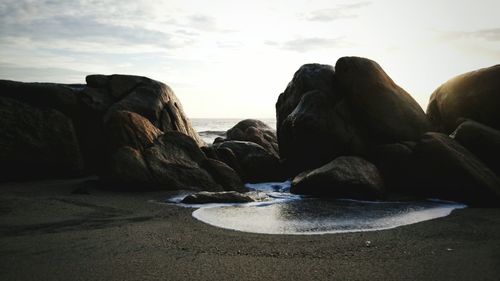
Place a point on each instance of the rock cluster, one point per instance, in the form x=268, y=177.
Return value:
x=350, y=131
x=343, y=131
x=130, y=130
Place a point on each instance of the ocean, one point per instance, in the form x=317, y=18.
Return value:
x=211, y=128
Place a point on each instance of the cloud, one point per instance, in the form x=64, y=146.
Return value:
x=74, y=30
x=341, y=11
x=41, y=74
x=302, y=45
x=490, y=34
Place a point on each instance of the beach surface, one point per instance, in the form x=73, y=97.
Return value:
x=70, y=230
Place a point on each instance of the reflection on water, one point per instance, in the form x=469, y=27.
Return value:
x=319, y=216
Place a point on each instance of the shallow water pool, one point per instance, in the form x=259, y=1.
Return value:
x=286, y=213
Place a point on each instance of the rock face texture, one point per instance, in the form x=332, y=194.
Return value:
x=326, y=112
x=257, y=132
x=205, y=197
x=130, y=130
x=36, y=143
x=344, y=177
x=482, y=141
x=474, y=95
x=442, y=168
x=251, y=161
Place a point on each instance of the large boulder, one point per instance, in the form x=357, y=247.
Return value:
x=149, y=98
x=474, y=95
x=36, y=143
x=344, y=177
x=326, y=112
x=251, y=161
x=142, y=157
x=255, y=131
x=444, y=169
x=130, y=130
x=482, y=141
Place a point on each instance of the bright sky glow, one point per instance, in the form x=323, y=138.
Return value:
x=233, y=58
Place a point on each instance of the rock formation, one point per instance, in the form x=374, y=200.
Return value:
x=474, y=95
x=326, y=112
x=344, y=177
x=130, y=130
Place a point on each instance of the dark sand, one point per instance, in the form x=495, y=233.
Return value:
x=48, y=233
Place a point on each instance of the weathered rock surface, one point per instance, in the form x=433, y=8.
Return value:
x=482, y=141
x=143, y=157
x=325, y=112
x=205, y=197
x=251, y=161
x=130, y=130
x=474, y=95
x=344, y=177
x=444, y=169
x=255, y=131
x=36, y=143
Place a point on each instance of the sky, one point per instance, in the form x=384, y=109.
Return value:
x=231, y=59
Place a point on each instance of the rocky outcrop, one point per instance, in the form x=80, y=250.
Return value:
x=440, y=167
x=130, y=130
x=257, y=132
x=251, y=161
x=344, y=177
x=326, y=112
x=473, y=95
x=482, y=141
x=205, y=197
x=36, y=143
x=143, y=157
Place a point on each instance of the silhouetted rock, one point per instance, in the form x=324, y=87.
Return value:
x=344, y=177
x=205, y=197
x=175, y=163
x=482, y=141
x=444, y=169
x=143, y=158
x=395, y=163
x=255, y=131
x=473, y=95
x=251, y=161
x=36, y=143
x=224, y=175
x=131, y=131
x=326, y=112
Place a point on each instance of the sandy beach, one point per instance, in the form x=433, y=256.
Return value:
x=50, y=232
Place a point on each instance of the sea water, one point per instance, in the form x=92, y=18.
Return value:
x=286, y=213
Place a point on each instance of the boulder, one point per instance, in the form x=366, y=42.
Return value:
x=474, y=95
x=442, y=168
x=327, y=112
x=255, y=131
x=205, y=197
x=251, y=161
x=344, y=177
x=36, y=143
x=483, y=141
x=125, y=128
x=395, y=163
x=224, y=175
x=119, y=124
x=141, y=157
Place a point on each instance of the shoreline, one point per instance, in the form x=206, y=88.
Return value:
x=48, y=233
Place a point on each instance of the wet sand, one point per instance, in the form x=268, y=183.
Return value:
x=49, y=233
